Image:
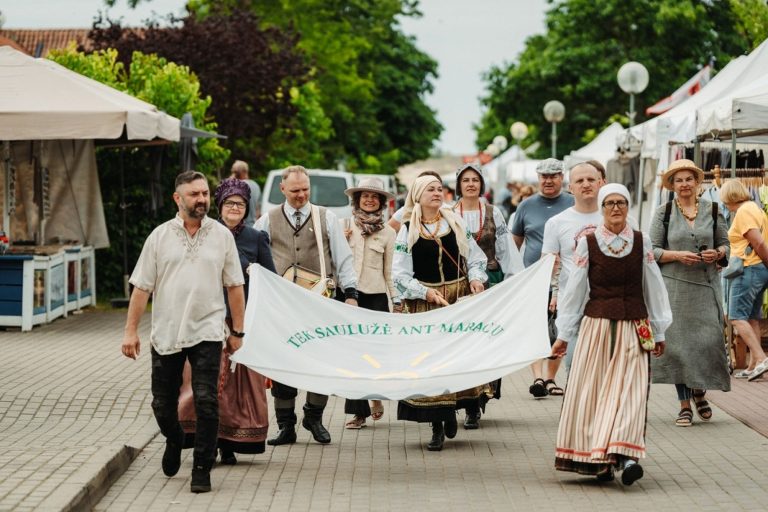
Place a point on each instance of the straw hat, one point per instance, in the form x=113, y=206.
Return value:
x=677, y=166
x=369, y=185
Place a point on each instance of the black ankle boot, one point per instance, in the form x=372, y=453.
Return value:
x=451, y=427
x=228, y=457
x=286, y=435
x=172, y=455
x=438, y=437
x=201, y=479
x=472, y=421
x=312, y=421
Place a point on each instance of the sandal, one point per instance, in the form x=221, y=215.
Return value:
x=377, y=410
x=703, y=410
x=538, y=389
x=742, y=374
x=552, y=388
x=356, y=423
x=684, y=418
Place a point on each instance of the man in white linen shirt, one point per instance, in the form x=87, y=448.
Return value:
x=184, y=264
x=294, y=247
x=563, y=231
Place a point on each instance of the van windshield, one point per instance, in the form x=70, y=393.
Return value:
x=324, y=191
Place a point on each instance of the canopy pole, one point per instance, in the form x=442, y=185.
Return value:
x=733, y=153
x=7, y=204
x=640, y=192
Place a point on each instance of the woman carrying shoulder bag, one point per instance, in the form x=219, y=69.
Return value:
x=747, y=234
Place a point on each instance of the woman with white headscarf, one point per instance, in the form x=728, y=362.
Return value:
x=615, y=303
x=436, y=262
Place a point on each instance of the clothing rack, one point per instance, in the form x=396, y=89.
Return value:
x=716, y=175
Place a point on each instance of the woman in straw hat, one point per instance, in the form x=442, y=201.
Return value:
x=436, y=262
x=373, y=244
x=689, y=237
x=748, y=234
x=243, y=410
x=488, y=228
x=602, y=423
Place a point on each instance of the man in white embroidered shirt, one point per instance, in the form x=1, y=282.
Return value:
x=296, y=253
x=184, y=265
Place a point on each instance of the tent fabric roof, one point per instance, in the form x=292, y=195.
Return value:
x=602, y=148
x=745, y=108
x=41, y=100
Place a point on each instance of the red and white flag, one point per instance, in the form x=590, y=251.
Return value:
x=688, y=89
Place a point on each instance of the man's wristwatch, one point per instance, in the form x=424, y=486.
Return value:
x=236, y=334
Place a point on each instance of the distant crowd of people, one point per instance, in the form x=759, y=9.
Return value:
x=626, y=308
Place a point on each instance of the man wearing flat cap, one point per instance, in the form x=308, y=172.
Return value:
x=528, y=227
x=297, y=253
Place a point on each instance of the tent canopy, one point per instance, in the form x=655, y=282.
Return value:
x=745, y=108
x=602, y=148
x=42, y=100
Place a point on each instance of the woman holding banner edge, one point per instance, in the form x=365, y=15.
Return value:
x=372, y=243
x=436, y=262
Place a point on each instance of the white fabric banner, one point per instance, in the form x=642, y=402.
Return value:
x=313, y=343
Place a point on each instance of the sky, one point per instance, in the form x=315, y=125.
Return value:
x=465, y=37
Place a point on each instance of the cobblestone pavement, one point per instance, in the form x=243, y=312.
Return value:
x=74, y=413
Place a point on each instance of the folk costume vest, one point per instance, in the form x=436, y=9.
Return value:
x=431, y=266
x=293, y=246
x=616, y=284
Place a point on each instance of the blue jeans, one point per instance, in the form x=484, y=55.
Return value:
x=745, y=299
x=204, y=358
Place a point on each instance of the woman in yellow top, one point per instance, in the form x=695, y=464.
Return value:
x=747, y=235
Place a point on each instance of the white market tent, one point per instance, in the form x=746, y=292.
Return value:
x=745, y=108
x=602, y=148
x=512, y=165
x=42, y=100
x=49, y=118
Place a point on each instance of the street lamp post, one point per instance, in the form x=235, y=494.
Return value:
x=554, y=112
x=633, y=79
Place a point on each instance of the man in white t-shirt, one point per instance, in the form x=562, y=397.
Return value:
x=563, y=231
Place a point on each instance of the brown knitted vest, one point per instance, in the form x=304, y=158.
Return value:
x=487, y=240
x=298, y=247
x=616, y=284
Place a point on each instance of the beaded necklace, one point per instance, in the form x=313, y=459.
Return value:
x=682, y=212
x=480, y=230
x=424, y=230
x=618, y=251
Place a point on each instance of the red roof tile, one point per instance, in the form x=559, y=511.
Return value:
x=38, y=42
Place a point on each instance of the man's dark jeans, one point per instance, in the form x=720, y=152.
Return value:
x=204, y=358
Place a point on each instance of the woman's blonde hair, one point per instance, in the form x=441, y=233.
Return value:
x=733, y=191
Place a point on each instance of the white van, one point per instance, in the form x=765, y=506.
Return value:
x=327, y=189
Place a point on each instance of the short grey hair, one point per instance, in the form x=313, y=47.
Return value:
x=291, y=169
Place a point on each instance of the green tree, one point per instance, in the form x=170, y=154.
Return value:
x=148, y=173
x=586, y=42
x=751, y=20
x=370, y=79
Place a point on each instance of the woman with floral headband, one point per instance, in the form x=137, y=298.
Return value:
x=615, y=303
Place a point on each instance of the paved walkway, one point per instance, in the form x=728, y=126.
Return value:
x=74, y=413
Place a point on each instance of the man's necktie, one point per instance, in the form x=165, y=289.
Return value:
x=297, y=219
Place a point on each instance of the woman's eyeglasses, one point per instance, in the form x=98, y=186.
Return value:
x=620, y=204
x=234, y=204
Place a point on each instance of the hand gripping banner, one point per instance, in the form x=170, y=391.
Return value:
x=314, y=343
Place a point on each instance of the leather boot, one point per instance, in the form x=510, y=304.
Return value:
x=451, y=427
x=472, y=420
x=172, y=455
x=312, y=421
x=201, y=478
x=286, y=422
x=438, y=437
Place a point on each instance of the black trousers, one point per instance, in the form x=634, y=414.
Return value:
x=374, y=302
x=204, y=358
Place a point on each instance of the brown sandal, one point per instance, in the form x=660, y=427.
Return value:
x=684, y=418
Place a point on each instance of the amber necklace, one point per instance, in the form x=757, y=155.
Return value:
x=682, y=212
x=618, y=251
x=424, y=230
x=480, y=230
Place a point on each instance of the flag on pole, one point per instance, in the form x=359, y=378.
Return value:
x=688, y=89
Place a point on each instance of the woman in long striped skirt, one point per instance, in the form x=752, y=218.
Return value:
x=613, y=300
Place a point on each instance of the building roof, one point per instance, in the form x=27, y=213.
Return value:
x=38, y=42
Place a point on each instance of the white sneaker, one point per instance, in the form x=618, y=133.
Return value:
x=741, y=374
x=759, y=370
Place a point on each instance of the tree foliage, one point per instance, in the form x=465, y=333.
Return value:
x=148, y=173
x=254, y=75
x=369, y=78
x=586, y=42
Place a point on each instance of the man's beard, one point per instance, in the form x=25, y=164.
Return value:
x=198, y=212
